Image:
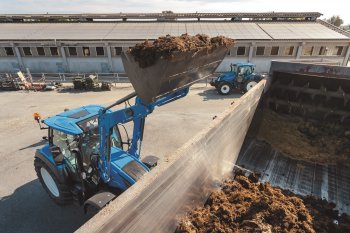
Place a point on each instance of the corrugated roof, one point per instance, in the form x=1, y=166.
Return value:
x=280, y=31
x=152, y=30
x=163, y=15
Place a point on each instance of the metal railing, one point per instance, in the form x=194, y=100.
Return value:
x=68, y=77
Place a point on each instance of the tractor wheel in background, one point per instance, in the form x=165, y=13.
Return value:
x=57, y=191
x=224, y=88
x=249, y=84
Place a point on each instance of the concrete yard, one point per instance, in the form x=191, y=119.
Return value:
x=24, y=204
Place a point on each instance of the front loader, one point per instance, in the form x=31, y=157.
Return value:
x=86, y=160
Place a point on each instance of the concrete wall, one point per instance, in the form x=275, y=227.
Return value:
x=185, y=179
x=44, y=65
x=88, y=64
x=9, y=65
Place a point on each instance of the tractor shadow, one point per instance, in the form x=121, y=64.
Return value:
x=212, y=94
x=29, y=209
x=41, y=143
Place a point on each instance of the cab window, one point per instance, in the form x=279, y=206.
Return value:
x=66, y=143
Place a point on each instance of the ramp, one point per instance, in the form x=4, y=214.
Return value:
x=154, y=202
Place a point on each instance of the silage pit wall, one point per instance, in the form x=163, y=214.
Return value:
x=157, y=201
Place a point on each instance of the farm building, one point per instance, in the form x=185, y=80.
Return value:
x=92, y=43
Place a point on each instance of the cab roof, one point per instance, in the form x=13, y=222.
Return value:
x=67, y=121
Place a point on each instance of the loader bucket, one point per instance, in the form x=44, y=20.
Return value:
x=169, y=75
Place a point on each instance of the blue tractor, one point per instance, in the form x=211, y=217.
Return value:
x=241, y=77
x=86, y=160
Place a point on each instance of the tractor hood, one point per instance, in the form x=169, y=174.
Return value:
x=126, y=166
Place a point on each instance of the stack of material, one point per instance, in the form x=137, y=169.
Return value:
x=146, y=54
x=106, y=86
x=11, y=84
x=86, y=83
x=245, y=205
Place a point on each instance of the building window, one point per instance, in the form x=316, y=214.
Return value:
x=100, y=51
x=118, y=51
x=240, y=51
x=27, y=51
x=289, y=51
x=338, y=50
x=9, y=51
x=260, y=51
x=274, y=50
x=41, y=51
x=322, y=51
x=308, y=50
x=72, y=51
x=54, y=51
x=86, y=51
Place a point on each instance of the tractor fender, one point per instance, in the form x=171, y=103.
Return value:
x=59, y=173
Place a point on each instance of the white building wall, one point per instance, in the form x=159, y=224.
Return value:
x=113, y=63
x=9, y=65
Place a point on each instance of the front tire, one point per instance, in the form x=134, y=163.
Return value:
x=224, y=88
x=58, y=192
x=249, y=84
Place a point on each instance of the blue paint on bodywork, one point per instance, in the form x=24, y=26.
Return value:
x=119, y=159
x=45, y=151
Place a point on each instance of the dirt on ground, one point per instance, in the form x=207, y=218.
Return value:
x=313, y=141
x=245, y=205
x=146, y=53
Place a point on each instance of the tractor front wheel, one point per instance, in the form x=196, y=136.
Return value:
x=57, y=191
x=249, y=84
x=224, y=88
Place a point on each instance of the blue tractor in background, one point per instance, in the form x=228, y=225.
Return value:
x=241, y=77
x=86, y=160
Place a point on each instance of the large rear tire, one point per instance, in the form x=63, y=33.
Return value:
x=58, y=192
x=224, y=88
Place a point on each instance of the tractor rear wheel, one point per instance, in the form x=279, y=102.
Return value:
x=224, y=88
x=57, y=191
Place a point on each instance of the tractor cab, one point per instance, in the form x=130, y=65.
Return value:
x=241, y=76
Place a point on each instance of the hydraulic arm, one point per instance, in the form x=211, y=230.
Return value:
x=136, y=113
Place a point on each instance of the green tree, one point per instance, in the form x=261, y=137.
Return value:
x=335, y=20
